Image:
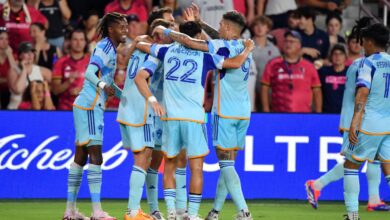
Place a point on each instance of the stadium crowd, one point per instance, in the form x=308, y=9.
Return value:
x=45, y=46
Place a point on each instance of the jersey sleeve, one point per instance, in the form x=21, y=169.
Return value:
x=267, y=74
x=150, y=65
x=365, y=73
x=100, y=57
x=212, y=61
x=159, y=50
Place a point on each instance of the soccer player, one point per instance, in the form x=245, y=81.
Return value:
x=231, y=108
x=88, y=110
x=184, y=77
x=369, y=134
x=137, y=129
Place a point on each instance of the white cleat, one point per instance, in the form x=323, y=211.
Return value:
x=244, y=215
x=74, y=215
x=181, y=215
x=171, y=215
x=213, y=215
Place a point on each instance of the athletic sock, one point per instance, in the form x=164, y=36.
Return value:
x=194, y=204
x=373, y=180
x=95, y=184
x=351, y=190
x=181, y=189
x=221, y=194
x=74, y=180
x=336, y=173
x=152, y=189
x=170, y=199
x=137, y=182
x=233, y=183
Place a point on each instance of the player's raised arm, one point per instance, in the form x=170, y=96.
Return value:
x=184, y=39
x=238, y=61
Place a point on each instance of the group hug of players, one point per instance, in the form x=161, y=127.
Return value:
x=161, y=113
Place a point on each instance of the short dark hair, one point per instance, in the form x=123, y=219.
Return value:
x=159, y=22
x=378, y=33
x=339, y=47
x=85, y=37
x=158, y=13
x=191, y=28
x=107, y=21
x=333, y=15
x=235, y=17
x=307, y=12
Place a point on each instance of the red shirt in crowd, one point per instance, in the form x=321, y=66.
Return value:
x=17, y=27
x=291, y=84
x=65, y=68
x=4, y=69
x=240, y=6
x=137, y=7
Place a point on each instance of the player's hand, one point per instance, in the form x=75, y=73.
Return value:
x=158, y=109
x=189, y=14
x=109, y=90
x=249, y=44
x=353, y=139
x=196, y=11
x=314, y=53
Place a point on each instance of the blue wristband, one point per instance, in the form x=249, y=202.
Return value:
x=167, y=31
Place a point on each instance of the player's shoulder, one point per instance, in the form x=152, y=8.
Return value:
x=105, y=45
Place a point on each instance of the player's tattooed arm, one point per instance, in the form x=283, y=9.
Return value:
x=238, y=61
x=209, y=30
x=360, y=102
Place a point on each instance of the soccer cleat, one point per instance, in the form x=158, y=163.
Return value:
x=213, y=215
x=353, y=217
x=244, y=215
x=75, y=215
x=378, y=207
x=312, y=194
x=140, y=216
x=181, y=215
x=193, y=218
x=171, y=215
x=101, y=215
x=156, y=215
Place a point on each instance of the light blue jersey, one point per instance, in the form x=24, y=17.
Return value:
x=231, y=96
x=185, y=73
x=374, y=74
x=155, y=68
x=349, y=96
x=133, y=107
x=104, y=57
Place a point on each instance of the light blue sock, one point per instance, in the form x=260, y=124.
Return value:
x=374, y=176
x=388, y=180
x=95, y=184
x=152, y=189
x=74, y=180
x=233, y=183
x=221, y=194
x=137, y=182
x=170, y=198
x=194, y=204
x=336, y=173
x=351, y=190
x=181, y=189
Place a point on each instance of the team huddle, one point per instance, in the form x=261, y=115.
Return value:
x=161, y=114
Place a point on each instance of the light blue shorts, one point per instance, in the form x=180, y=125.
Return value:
x=229, y=134
x=368, y=147
x=344, y=147
x=191, y=136
x=137, y=138
x=158, y=131
x=89, y=126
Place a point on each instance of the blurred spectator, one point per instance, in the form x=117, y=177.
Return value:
x=163, y=13
x=315, y=42
x=128, y=7
x=177, y=12
x=263, y=52
x=26, y=71
x=45, y=54
x=89, y=24
x=58, y=14
x=247, y=9
x=6, y=62
x=333, y=79
x=37, y=97
x=17, y=17
x=333, y=26
x=293, y=81
x=277, y=10
x=354, y=48
x=133, y=27
x=326, y=6
x=292, y=22
x=69, y=71
x=211, y=11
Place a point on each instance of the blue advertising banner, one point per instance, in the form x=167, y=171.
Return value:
x=282, y=152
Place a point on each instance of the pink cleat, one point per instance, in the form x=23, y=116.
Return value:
x=101, y=215
x=378, y=207
x=74, y=215
x=312, y=193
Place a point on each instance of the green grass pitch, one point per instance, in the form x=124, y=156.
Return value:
x=261, y=210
